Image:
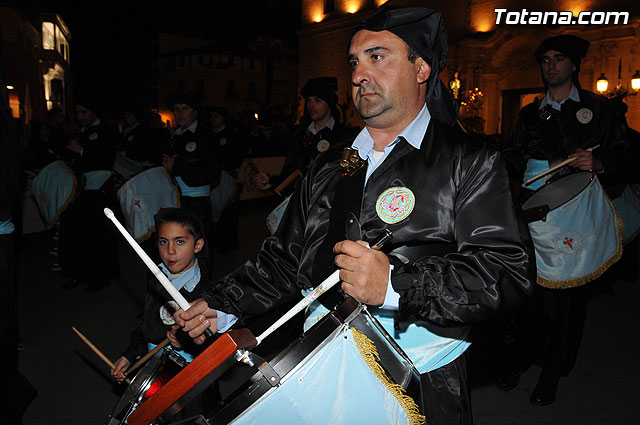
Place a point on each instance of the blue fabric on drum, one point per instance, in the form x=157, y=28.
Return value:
x=332, y=386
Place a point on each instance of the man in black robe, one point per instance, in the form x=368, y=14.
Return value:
x=459, y=254
x=564, y=124
x=321, y=130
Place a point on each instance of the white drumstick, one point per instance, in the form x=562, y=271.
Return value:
x=327, y=284
x=177, y=296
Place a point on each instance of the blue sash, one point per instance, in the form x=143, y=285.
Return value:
x=188, y=357
x=95, y=179
x=275, y=216
x=193, y=191
x=428, y=346
x=6, y=227
x=535, y=167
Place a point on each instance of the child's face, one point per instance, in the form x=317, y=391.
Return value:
x=177, y=247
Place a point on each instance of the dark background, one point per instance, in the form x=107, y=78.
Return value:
x=113, y=44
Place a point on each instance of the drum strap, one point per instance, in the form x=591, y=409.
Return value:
x=347, y=199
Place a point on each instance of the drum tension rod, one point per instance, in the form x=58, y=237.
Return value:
x=250, y=359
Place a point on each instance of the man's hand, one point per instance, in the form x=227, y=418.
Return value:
x=364, y=272
x=585, y=161
x=167, y=161
x=197, y=319
x=261, y=181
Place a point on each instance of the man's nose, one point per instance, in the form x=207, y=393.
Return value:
x=360, y=75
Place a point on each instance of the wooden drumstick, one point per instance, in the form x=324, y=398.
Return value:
x=173, y=292
x=146, y=357
x=97, y=351
x=555, y=167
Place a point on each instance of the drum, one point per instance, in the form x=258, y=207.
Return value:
x=581, y=234
x=628, y=206
x=154, y=375
x=223, y=195
x=344, y=370
x=142, y=196
x=53, y=189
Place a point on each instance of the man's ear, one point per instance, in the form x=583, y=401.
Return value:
x=199, y=245
x=424, y=70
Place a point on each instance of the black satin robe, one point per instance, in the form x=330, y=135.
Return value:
x=554, y=139
x=463, y=213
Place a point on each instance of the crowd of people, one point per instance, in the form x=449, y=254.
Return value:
x=476, y=235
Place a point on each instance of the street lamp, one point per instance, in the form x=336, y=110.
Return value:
x=602, y=83
x=635, y=81
x=619, y=91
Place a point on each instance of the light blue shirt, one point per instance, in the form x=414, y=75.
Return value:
x=329, y=124
x=546, y=100
x=363, y=143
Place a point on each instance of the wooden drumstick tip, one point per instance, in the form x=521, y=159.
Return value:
x=108, y=213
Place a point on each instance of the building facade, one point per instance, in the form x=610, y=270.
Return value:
x=494, y=57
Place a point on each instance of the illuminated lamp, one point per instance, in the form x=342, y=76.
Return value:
x=635, y=80
x=602, y=83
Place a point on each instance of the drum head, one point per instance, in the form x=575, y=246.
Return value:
x=560, y=191
x=137, y=388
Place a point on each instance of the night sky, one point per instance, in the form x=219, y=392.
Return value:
x=111, y=45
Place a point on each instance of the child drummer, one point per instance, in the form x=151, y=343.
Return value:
x=180, y=240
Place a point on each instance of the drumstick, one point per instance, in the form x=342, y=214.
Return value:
x=146, y=357
x=286, y=181
x=173, y=292
x=326, y=284
x=98, y=352
x=555, y=167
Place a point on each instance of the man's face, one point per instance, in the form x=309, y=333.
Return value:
x=385, y=84
x=184, y=114
x=318, y=109
x=556, y=68
x=217, y=120
x=84, y=116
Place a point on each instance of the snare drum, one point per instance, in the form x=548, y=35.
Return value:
x=54, y=188
x=154, y=375
x=142, y=196
x=581, y=235
x=344, y=370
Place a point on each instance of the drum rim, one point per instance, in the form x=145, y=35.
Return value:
x=547, y=186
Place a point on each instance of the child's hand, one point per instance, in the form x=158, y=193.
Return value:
x=121, y=365
x=173, y=338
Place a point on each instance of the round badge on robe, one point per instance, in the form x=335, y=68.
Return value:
x=130, y=138
x=93, y=136
x=190, y=147
x=166, y=312
x=223, y=141
x=395, y=204
x=584, y=115
x=323, y=145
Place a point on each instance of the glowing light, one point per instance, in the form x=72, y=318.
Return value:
x=256, y=116
x=10, y=87
x=352, y=7
x=483, y=19
x=635, y=80
x=318, y=17
x=602, y=83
